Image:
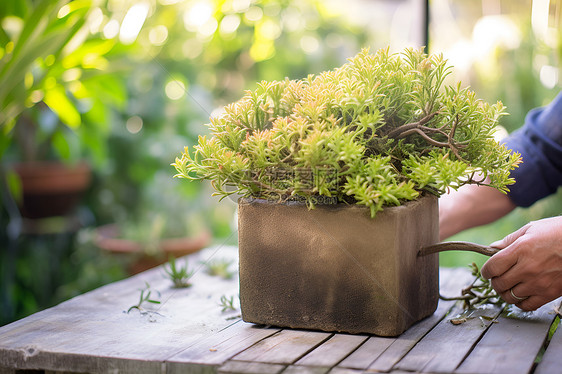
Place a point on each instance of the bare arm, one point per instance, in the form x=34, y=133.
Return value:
x=471, y=206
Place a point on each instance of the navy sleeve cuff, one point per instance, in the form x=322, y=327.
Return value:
x=540, y=143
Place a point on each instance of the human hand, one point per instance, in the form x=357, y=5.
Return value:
x=529, y=266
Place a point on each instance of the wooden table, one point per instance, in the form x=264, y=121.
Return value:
x=189, y=333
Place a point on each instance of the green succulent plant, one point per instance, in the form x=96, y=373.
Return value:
x=378, y=131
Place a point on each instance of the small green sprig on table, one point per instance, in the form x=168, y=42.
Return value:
x=220, y=268
x=144, y=297
x=227, y=303
x=178, y=275
x=479, y=292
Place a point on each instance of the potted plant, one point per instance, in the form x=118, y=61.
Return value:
x=47, y=71
x=338, y=176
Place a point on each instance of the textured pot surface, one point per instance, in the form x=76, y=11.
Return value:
x=334, y=268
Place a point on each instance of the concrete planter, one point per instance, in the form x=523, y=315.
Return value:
x=334, y=268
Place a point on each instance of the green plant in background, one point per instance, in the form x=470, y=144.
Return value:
x=56, y=80
x=31, y=45
x=220, y=268
x=378, y=131
x=178, y=275
x=190, y=58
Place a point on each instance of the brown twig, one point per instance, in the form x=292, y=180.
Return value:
x=478, y=292
x=422, y=130
x=396, y=133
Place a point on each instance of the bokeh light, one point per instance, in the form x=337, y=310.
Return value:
x=175, y=89
x=134, y=124
x=158, y=35
x=229, y=24
x=132, y=23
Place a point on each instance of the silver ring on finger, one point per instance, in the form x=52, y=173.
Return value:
x=516, y=297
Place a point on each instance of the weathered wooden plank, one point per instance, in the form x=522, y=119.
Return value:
x=451, y=283
x=243, y=367
x=285, y=347
x=93, y=332
x=512, y=344
x=552, y=359
x=45, y=372
x=339, y=370
x=400, y=347
x=332, y=351
x=380, y=354
x=306, y=370
x=445, y=347
x=190, y=331
x=216, y=349
x=366, y=353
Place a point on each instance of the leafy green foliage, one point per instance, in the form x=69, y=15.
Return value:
x=378, y=131
x=58, y=87
x=178, y=275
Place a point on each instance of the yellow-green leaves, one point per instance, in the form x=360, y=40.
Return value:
x=59, y=103
x=377, y=131
x=378, y=184
x=437, y=170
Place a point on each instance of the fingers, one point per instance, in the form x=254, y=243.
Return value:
x=502, y=261
x=511, y=238
x=510, y=288
x=498, y=264
x=519, y=296
x=528, y=295
x=531, y=303
x=515, y=294
x=514, y=290
x=503, y=284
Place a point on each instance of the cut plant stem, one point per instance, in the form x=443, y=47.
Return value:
x=144, y=297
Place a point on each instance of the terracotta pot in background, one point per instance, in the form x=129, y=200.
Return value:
x=108, y=239
x=52, y=188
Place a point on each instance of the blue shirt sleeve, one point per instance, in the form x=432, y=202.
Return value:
x=540, y=143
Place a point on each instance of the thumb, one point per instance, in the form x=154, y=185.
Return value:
x=509, y=239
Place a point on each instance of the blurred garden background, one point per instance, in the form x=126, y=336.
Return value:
x=114, y=89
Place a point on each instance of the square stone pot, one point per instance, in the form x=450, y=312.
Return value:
x=334, y=268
